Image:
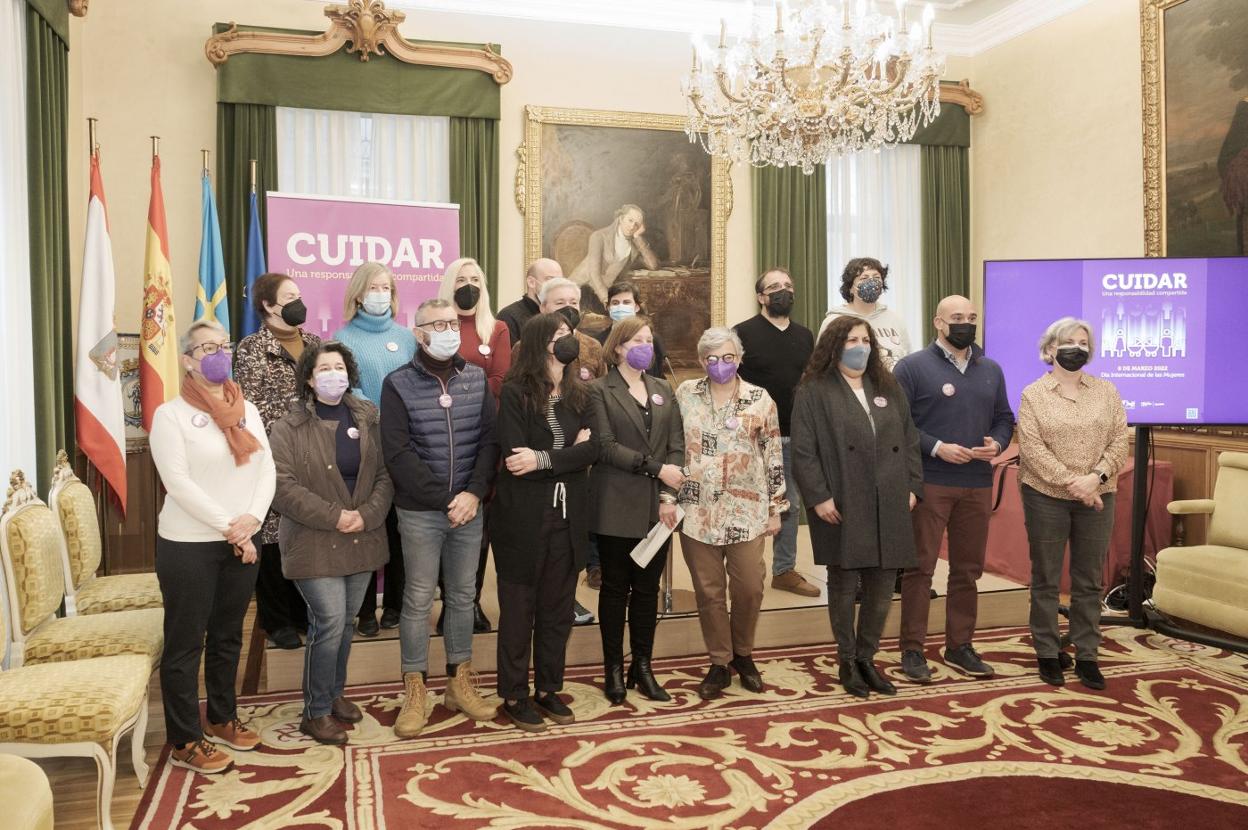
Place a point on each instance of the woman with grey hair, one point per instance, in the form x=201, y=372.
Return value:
x=210, y=448
x=1072, y=432
x=733, y=497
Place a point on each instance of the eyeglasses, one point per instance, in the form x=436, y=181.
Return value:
x=213, y=348
x=712, y=359
x=441, y=325
x=777, y=286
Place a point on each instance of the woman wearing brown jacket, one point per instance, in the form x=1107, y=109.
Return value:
x=333, y=493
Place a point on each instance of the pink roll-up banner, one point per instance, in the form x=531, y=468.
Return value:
x=319, y=241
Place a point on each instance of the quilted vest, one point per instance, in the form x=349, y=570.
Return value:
x=445, y=438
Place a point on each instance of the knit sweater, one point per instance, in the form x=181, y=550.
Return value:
x=380, y=346
x=956, y=408
x=496, y=360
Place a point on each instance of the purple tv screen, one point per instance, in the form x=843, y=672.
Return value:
x=1171, y=333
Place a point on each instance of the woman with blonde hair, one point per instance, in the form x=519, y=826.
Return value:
x=380, y=344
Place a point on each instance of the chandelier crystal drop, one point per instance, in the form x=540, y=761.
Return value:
x=832, y=78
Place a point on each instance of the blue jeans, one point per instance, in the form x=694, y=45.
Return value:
x=431, y=545
x=784, y=546
x=332, y=601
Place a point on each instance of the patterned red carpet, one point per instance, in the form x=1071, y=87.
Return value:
x=1165, y=745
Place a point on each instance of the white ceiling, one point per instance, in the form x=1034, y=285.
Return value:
x=962, y=27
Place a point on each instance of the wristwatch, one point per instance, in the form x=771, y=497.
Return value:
x=1104, y=478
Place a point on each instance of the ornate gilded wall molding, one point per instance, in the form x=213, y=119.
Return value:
x=962, y=95
x=1154, y=125
x=78, y=8
x=367, y=28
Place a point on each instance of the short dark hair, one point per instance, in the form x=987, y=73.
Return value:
x=264, y=290
x=307, y=363
x=758, y=283
x=855, y=267
x=624, y=287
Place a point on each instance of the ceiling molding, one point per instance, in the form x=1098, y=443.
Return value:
x=1013, y=21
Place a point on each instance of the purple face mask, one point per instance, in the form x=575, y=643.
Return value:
x=640, y=356
x=721, y=372
x=216, y=367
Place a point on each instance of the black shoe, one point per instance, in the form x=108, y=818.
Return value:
x=1051, y=671
x=641, y=676
x=914, y=664
x=1089, y=674
x=613, y=684
x=580, y=614
x=751, y=680
x=523, y=715
x=1066, y=660
x=717, y=679
x=367, y=626
x=876, y=681
x=549, y=704
x=852, y=681
x=966, y=660
x=286, y=637
x=390, y=618
x=480, y=623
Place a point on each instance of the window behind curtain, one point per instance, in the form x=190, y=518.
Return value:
x=874, y=210
x=364, y=155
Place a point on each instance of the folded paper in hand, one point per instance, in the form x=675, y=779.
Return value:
x=649, y=546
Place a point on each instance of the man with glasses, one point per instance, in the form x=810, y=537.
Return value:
x=438, y=435
x=959, y=405
x=776, y=352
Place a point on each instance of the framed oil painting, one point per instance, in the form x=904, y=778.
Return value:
x=625, y=196
x=1195, y=127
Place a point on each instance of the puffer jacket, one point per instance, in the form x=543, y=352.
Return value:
x=436, y=452
x=311, y=494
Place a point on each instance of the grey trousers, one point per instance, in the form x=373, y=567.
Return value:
x=877, y=595
x=1051, y=523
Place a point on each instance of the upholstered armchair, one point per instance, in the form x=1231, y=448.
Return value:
x=1208, y=584
x=73, y=708
x=31, y=552
x=73, y=507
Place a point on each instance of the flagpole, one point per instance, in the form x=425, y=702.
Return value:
x=253, y=175
x=155, y=146
x=93, y=144
x=205, y=153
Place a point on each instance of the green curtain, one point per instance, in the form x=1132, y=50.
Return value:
x=47, y=96
x=946, y=224
x=791, y=231
x=474, y=186
x=244, y=132
x=952, y=128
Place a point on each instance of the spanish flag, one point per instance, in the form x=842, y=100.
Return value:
x=158, y=351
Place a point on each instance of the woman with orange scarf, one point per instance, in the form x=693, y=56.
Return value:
x=213, y=457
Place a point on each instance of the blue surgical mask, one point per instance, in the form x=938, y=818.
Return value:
x=622, y=312
x=855, y=358
x=443, y=345
x=377, y=303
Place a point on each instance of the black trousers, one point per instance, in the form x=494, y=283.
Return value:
x=625, y=585
x=278, y=603
x=395, y=574
x=206, y=590
x=536, y=619
x=859, y=642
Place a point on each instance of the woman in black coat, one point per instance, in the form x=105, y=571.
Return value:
x=539, y=519
x=857, y=465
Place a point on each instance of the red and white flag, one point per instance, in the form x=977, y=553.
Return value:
x=98, y=411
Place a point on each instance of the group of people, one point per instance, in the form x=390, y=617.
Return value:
x=298, y=468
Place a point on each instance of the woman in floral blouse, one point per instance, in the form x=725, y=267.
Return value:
x=733, y=497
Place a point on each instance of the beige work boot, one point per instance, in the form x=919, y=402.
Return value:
x=412, y=716
x=462, y=695
x=794, y=583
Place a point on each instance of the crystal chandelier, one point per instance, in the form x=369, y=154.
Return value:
x=833, y=78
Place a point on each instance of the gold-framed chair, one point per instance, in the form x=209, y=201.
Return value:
x=73, y=507
x=76, y=708
x=30, y=550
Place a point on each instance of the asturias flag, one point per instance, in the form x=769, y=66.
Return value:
x=255, y=267
x=158, y=349
x=100, y=422
x=210, y=299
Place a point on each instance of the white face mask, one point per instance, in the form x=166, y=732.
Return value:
x=377, y=303
x=442, y=345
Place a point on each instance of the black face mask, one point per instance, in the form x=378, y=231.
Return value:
x=1071, y=358
x=466, y=297
x=572, y=315
x=294, y=313
x=780, y=303
x=567, y=348
x=961, y=335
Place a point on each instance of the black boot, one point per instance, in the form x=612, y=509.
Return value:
x=852, y=681
x=614, y=682
x=876, y=681
x=1051, y=671
x=640, y=675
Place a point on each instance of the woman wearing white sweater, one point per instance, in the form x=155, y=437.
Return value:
x=210, y=449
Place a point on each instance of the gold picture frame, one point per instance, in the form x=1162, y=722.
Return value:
x=530, y=189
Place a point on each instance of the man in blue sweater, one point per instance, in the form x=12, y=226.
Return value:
x=959, y=405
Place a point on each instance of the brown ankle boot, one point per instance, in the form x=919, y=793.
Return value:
x=412, y=717
x=462, y=695
x=323, y=730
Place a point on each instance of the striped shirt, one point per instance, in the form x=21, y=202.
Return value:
x=543, y=457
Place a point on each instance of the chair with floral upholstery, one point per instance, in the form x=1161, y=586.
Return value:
x=73, y=708
x=73, y=507
x=30, y=549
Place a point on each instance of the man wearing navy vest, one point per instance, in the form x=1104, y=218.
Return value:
x=437, y=432
x=959, y=405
